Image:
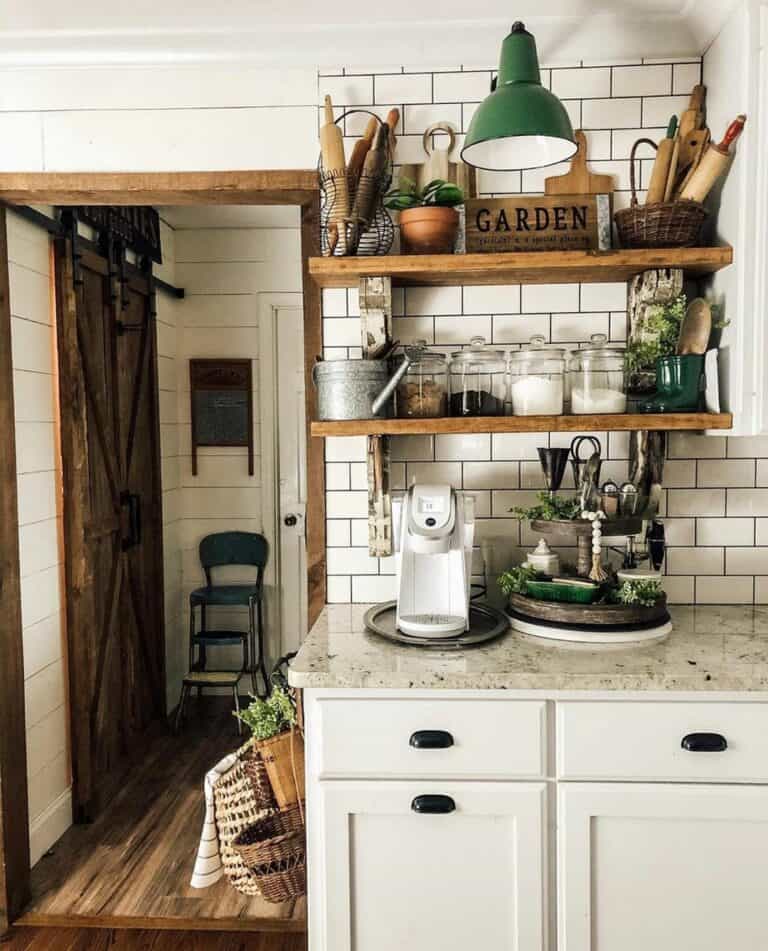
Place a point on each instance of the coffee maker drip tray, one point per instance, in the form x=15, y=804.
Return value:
x=485, y=624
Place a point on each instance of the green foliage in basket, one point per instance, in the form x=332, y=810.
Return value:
x=550, y=509
x=643, y=593
x=437, y=194
x=660, y=333
x=515, y=580
x=267, y=718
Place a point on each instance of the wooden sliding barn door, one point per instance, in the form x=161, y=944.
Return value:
x=112, y=512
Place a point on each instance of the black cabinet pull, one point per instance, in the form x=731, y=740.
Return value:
x=431, y=740
x=433, y=804
x=704, y=743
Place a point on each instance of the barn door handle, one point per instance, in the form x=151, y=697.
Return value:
x=133, y=503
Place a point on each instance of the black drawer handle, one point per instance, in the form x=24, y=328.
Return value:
x=704, y=743
x=433, y=804
x=431, y=740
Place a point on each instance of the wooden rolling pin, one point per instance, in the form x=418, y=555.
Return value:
x=332, y=153
x=360, y=149
x=660, y=172
x=368, y=188
x=713, y=163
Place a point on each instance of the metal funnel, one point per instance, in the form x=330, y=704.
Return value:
x=553, y=463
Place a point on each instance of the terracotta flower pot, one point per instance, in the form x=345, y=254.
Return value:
x=428, y=230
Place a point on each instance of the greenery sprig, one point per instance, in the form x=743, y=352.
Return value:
x=267, y=718
x=643, y=592
x=549, y=509
x=515, y=580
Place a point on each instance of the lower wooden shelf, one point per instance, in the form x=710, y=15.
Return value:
x=522, y=424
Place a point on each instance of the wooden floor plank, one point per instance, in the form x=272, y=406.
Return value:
x=71, y=939
x=131, y=867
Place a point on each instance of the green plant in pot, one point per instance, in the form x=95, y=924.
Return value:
x=429, y=221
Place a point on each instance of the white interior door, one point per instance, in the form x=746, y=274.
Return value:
x=662, y=866
x=291, y=475
x=393, y=877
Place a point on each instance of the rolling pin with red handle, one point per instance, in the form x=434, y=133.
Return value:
x=713, y=163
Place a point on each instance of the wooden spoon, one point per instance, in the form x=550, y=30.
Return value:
x=696, y=327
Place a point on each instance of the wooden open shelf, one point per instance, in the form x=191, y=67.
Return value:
x=529, y=267
x=522, y=424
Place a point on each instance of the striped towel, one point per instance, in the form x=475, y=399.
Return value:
x=208, y=868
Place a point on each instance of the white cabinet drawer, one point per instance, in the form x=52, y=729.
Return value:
x=424, y=738
x=645, y=741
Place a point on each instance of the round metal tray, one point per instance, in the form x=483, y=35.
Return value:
x=486, y=623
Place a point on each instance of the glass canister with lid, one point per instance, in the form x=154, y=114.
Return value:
x=598, y=378
x=423, y=391
x=478, y=380
x=537, y=379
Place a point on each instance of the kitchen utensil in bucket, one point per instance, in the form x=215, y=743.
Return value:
x=357, y=389
x=577, y=461
x=663, y=224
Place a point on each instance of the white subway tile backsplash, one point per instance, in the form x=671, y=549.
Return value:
x=460, y=330
x=413, y=87
x=590, y=83
x=573, y=328
x=747, y=502
x=516, y=445
x=462, y=446
x=731, y=589
x=547, y=298
x=421, y=301
x=491, y=475
x=367, y=588
x=642, y=80
x=604, y=297
x=715, y=501
x=611, y=113
x=724, y=473
x=684, y=77
x=519, y=328
x=462, y=87
x=695, y=561
x=418, y=118
x=491, y=299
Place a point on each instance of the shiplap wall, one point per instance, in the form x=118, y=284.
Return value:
x=223, y=271
x=716, y=488
x=39, y=487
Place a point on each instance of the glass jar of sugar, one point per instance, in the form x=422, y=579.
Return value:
x=478, y=380
x=597, y=378
x=537, y=379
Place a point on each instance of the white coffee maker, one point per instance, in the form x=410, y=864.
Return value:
x=434, y=528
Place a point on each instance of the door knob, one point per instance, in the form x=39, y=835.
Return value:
x=290, y=520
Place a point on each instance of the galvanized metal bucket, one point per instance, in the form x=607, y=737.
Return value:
x=347, y=389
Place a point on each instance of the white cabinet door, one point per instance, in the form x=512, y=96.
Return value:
x=390, y=877
x=663, y=867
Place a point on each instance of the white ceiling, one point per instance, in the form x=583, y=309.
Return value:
x=430, y=32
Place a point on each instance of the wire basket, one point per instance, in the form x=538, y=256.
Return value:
x=274, y=850
x=343, y=233
x=663, y=224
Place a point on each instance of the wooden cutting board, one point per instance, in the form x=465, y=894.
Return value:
x=579, y=180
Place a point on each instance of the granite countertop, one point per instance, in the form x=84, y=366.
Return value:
x=718, y=648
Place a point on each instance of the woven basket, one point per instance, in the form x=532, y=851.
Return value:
x=664, y=224
x=274, y=850
x=256, y=772
x=283, y=757
x=237, y=807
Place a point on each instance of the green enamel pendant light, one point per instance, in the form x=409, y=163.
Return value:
x=521, y=124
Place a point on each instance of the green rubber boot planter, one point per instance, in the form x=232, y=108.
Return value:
x=679, y=385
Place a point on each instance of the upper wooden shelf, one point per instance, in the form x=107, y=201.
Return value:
x=522, y=424
x=529, y=267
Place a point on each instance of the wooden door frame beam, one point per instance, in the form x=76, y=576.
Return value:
x=258, y=187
